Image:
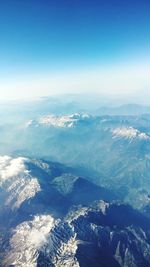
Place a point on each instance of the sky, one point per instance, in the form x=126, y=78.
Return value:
x=50, y=47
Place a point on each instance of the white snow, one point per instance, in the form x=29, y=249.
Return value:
x=56, y=240
x=28, y=238
x=67, y=253
x=16, y=181
x=64, y=121
x=129, y=133
x=10, y=167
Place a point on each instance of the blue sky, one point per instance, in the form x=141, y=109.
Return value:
x=43, y=41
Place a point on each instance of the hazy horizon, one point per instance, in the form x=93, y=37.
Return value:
x=50, y=48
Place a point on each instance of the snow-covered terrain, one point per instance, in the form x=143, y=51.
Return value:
x=36, y=233
x=64, y=121
x=27, y=239
x=129, y=133
x=58, y=216
x=53, y=239
x=84, y=238
x=16, y=181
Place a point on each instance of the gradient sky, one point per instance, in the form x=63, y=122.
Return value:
x=56, y=46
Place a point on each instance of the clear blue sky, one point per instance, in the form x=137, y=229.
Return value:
x=44, y=36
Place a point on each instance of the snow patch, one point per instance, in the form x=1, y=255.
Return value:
x=28, y=238
x=16, y=181
x=129, y=133
x=65, y=121
x=10, y=167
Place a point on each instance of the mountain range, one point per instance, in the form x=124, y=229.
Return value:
x=74, y=184
x=52, y=217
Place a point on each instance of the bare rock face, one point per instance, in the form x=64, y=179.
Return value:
x=112, y=235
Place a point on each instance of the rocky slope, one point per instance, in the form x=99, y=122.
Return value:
x=99, y=235
x=47, y=219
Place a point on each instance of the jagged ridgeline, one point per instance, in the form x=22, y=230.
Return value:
x=51, y=216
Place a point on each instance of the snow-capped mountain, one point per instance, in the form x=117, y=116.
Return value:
x=43, y=241
x=112, y=151
x=43, y=227
x=130, y=133
x=71, y=213
x=16, y=181
x=26, y=240
x=33, y=197
x=112, y=235
x=64, y=121
x=83, y=238
x=30, y=186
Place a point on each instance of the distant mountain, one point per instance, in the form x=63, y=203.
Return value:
x=64, y=121
x=111, y=151
x=128, y=109
x=19, y=111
